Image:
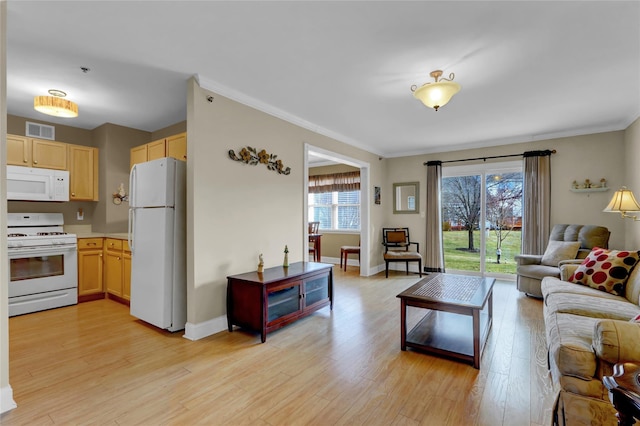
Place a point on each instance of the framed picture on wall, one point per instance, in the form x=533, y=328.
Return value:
x=376, y=194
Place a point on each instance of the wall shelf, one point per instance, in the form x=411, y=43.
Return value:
x=590, y=189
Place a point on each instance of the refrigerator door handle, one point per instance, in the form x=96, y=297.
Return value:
x=132, y=177
x=130, y=230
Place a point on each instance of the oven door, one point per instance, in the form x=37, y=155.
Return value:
x=42, y=269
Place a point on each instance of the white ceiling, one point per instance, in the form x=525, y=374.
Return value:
x=528, y=70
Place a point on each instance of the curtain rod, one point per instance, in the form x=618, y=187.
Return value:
x=524, y=154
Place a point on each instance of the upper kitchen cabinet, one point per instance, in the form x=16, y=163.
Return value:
x=174, y=146
x=138, y=155
x=83, y=173
x=29, y=152
x=177, y=146
x=155, y=150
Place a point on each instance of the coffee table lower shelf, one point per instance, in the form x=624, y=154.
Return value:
x=448, y=334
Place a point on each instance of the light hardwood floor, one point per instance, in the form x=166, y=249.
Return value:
x=94, y=364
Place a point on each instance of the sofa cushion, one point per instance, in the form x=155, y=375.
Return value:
x=560, y=250
x=538, y=271
x=588, y=306
x=617, y=341
x=606, y=270
x=569, y=338
x=552, y=285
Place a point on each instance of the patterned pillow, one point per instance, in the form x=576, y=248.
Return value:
x=606, y=270
x=635, y=319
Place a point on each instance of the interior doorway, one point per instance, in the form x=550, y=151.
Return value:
x=311, y=151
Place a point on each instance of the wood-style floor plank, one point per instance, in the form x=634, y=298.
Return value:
x=95, y=364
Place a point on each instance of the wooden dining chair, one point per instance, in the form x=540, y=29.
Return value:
x=345, y=251
x=314, y=228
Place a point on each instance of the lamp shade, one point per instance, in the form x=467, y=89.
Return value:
x=434, y=95
x=56, y=106
x=622, y=201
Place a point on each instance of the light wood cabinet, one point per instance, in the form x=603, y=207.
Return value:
x=177, y=146
x=29, y=152
x=83, y=173
x=117, y=268
x=18, y=150
x=138, y=155
x=174, y=146
x=90, y=269
x=155, y=150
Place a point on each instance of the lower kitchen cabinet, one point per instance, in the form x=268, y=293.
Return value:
x=117, y=269
x=90, y=269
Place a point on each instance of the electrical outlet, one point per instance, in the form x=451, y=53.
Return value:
x=80, y=215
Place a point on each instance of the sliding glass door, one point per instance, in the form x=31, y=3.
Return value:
x=481, y=210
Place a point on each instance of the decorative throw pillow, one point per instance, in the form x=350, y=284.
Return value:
x=606, y=270
x=635, y=319
x=559, y=250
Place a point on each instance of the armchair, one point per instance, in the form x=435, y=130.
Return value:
x=396, y=248
x=531, y=269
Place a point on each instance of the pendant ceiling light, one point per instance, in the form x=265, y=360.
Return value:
x=438, y=93
x=55, y=104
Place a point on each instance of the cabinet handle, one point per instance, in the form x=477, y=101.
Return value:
x=35, y=161
x=91, y=244
x=25, y=160
x=118, y=257
x=100, y=255
x=73, y=194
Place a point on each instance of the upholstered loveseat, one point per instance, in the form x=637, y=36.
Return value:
x=531, y=269
x=588, y=331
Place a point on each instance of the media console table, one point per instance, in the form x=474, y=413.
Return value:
x=264, y=302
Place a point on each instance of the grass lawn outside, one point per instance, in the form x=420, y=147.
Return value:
x=470, y=261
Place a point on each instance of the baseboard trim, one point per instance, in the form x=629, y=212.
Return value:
x=204, y=329
x=6, y=399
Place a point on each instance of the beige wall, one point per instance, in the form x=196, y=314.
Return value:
x=590, y=156
x=16, y=126
x=237, y=211
x=632, y=180
x=174, y=129
x=114, y=143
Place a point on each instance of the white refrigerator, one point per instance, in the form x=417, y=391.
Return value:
x=157, y=238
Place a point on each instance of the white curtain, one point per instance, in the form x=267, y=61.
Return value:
x=434, y=252
x=536, y=198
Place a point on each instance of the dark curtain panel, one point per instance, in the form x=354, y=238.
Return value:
x=536, y=209
x=434, y=254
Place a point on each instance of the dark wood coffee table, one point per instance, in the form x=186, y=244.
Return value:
x=459, y=316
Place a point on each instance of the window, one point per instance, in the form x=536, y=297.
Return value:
x=337, y=210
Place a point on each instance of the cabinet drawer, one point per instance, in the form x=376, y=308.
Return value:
x=89, y=243
x=125, y=245
x=114, y=244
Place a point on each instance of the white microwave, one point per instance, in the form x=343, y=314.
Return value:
x=31, y=184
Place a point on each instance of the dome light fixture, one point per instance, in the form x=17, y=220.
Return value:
x=55, y=105
x=437, y=93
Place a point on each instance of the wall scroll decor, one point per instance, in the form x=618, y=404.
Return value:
x=252, y=157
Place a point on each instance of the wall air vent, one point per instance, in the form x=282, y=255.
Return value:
x=42, y=131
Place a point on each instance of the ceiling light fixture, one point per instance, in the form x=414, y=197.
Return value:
x=438, y=93
x=622, y=202
x=55, y=105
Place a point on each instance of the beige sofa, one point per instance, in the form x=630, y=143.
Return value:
x=531, y=269
x=588, y=331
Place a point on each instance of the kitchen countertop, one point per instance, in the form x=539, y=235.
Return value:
x=118, y=235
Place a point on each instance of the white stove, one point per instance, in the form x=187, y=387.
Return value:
x=43, y=263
